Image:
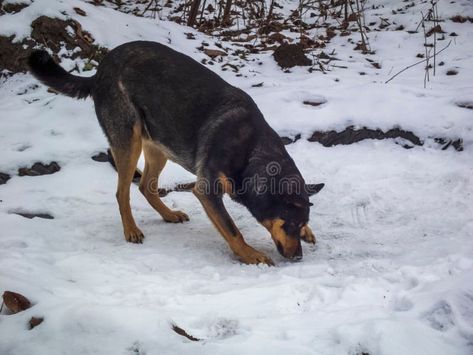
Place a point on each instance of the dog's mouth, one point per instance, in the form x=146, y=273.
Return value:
x=288, y=246
x=293, y=254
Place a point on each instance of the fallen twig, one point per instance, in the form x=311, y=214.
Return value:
x=417, y=63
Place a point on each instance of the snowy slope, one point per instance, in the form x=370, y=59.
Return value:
x=392, y=272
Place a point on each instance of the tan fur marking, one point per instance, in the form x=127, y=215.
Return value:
x=155, y=160
x=288, y=244
x=226, y=184
x=125, y=160
x=307, y=235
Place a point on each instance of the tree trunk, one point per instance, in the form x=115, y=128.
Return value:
x=226, y=13
x=193, y=12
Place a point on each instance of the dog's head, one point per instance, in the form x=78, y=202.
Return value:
x=286, y=216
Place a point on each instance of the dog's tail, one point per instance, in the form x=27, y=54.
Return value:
x=46, y=70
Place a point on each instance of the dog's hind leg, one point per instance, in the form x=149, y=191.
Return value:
x=126, y=158
x=155, y=160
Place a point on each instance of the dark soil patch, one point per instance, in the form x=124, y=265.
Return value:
x=4, y=178
x=465, y=104
x=315, y=103
x=291, y=55
x=11, y=8
x=288, y=140
x=13, y=56
x=50, y=33
x=40, y=169
x=461, y=19
x=101, y=157
x=457, y=144
x=31, y=215
x=351, y=135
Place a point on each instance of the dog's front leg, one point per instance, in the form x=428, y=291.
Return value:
x=307, y=235
x=213, y=206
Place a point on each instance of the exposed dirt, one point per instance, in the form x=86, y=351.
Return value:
x=13, y=55
x=11, y=8
x=351, y=135
x=4, y=178
x=40, y=169
x=465, y=104
x=289, y=140
x=49, y=33
x=290, y=55
x=31, y=215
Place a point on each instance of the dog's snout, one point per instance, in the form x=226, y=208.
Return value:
x=298, y=255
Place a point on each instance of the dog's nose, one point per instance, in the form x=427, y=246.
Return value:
x=298, y=255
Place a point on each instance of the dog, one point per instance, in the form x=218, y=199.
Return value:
x=149, y=98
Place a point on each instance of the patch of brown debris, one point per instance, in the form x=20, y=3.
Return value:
x=49, y=33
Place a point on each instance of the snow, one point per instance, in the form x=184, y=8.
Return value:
x=392, y=272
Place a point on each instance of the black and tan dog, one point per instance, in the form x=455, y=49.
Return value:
x=151, y=98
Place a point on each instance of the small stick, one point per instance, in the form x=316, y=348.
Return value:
x=417, y=63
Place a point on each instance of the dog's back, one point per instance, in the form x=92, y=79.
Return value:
x=179, y=103
x=178, y=100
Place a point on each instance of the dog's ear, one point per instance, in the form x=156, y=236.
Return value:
x=312, y=189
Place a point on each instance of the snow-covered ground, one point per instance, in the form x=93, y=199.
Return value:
x=392, y=272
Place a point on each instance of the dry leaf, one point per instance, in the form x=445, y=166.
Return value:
x=214, y=53
x=15, y=302
x=183, y=333
x=35, y=321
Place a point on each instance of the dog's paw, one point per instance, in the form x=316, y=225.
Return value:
x=176, y=217
x=134, y=235
x=307, y=235
x=253, y=256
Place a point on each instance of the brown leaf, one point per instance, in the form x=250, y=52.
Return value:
x=183, y=333
x=213, y=53
x=15, y=302
x=79, y=11
x=35, y=321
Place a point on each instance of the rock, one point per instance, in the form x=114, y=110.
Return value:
x=4, y=178
x=291, y=55
x=40, y=169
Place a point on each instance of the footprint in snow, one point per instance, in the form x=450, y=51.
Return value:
x=440, y=316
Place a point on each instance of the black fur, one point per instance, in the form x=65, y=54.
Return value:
x=203, y=123
x=46, y=70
